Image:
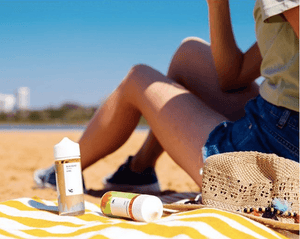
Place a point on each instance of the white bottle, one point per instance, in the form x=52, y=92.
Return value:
x=138, y=207
x=68, y=178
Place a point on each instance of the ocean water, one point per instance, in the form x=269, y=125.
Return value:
x=46, y=127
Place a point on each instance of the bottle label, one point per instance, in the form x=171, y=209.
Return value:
x=120, y=206
x=73, y=179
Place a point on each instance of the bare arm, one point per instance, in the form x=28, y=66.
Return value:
x=235, y=69
x=250, y=68
x=292, y=16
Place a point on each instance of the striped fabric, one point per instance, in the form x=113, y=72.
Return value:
x=36, y=218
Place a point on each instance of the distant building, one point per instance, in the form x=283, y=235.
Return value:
x=7, y=103
x=23, y=96
x=21, y=101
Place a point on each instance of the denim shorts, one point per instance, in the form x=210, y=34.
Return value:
x=265, y=128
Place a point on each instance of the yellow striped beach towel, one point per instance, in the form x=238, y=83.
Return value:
x=37, y=218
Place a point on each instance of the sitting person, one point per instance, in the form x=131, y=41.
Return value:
x=202, y=106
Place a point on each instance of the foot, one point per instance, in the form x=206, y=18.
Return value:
x=45, y=178
x=126, y=180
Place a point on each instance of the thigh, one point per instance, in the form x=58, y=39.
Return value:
x=193, y=67
x=179, y=120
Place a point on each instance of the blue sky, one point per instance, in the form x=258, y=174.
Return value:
x=79, y=51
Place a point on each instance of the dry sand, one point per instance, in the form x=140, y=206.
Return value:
x=21, y=153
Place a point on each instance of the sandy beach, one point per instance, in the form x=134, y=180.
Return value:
x=22, y=152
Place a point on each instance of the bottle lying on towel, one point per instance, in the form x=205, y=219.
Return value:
x=138, y=207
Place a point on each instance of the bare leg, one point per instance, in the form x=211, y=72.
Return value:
x=147, y=155
x=180, y=121
x=192, y=66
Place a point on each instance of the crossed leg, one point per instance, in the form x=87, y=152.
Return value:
x=181, y=109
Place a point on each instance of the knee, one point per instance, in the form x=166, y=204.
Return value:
x=192, y=44
x=136, y=74
x=138, y=69
x=190, y=51
x=194, y=40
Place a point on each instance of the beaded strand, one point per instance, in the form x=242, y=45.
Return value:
x=270, y=209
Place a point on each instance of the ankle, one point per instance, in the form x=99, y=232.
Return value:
x=135, y=167
x=139, y=166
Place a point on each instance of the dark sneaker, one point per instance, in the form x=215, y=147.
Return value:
x=126, y=180
x=45, y=178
